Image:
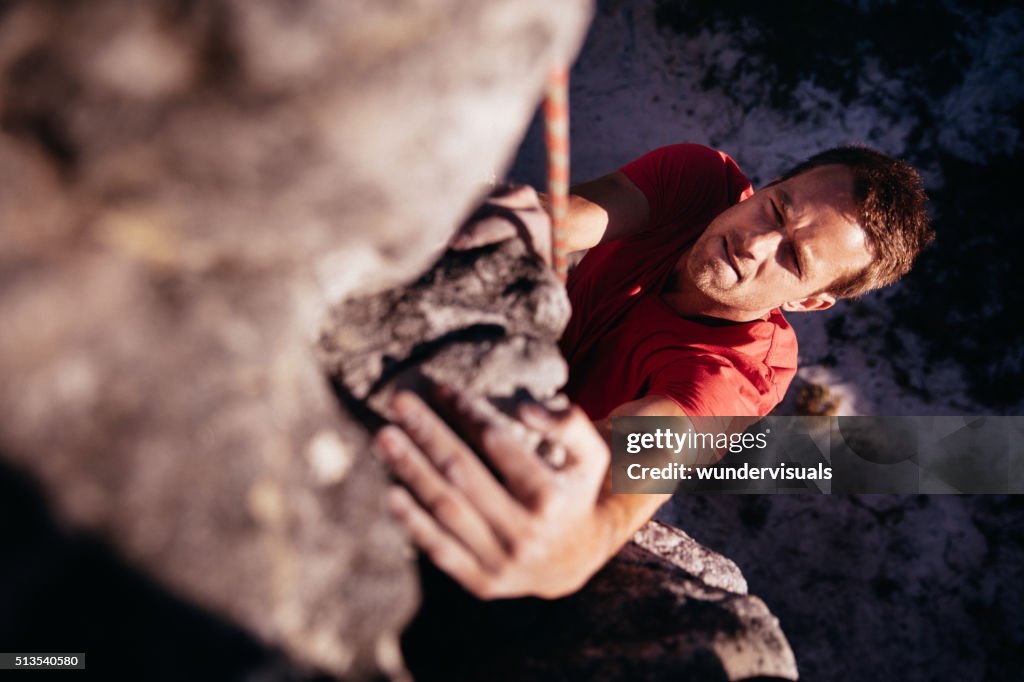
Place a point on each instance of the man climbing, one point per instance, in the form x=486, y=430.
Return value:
x=676, y=312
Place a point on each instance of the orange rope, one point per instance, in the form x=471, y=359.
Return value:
x=556, y=138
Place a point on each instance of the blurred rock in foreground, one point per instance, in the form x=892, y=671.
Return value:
x=185, y=185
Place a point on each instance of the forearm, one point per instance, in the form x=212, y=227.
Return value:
x=619, y=516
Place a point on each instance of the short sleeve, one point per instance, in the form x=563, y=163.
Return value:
x=684, y=182
x=706, y=387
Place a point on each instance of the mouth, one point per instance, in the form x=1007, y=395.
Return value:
x=730, y=258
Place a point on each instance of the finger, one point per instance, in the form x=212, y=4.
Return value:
x=483, y=232
x=538, y=227
x=527, y=208
x=454, y=459
x=517, y=197
x=441, y=499
x=504, y=442
x=587, y=455
x=446, y=553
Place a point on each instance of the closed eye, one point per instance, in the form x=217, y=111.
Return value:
x=795, y=259
x=777, y=213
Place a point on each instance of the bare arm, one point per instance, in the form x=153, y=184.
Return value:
x=624, y=514
x=605, y=209
x=602, y=210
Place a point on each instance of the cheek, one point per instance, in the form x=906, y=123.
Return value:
x=702, y=249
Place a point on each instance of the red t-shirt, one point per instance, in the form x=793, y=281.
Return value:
x=623, y=342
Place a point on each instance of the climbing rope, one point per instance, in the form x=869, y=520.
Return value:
x=556, y=139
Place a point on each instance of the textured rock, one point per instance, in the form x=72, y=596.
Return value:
x=645, y=616
x=185, y=185
x=679, y=549
x=486, y=320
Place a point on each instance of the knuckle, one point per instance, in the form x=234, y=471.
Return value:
x=486, y=588
x=524, y=545
x=495, y=437
x=527, y=192
x=490, y=436
x=535, y=500
x=404, y=469
x=573, y=417
x=428, y=543
x=451, y=469
x=444, y=557
x=400, y=512
x=444, y=507
x=516, y=548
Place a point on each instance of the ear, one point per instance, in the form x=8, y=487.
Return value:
x=819, y=301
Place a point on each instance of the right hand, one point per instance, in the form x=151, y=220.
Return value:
x=537, y=531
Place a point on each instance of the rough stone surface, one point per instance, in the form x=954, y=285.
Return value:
x=645, y=616
x=184, y=186
x=681, y=550
x=486, y=320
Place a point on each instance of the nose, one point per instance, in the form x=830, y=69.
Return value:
x=758, y=245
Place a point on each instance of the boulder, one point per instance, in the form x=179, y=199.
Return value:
x=186, y=186
x=486, y=320
x=665, y=608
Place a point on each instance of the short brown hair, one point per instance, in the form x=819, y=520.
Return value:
x=892, y=209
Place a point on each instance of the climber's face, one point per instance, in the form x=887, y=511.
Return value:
x=782, y=247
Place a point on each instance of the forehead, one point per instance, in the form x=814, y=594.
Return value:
x=824, y=187
x=825, y=212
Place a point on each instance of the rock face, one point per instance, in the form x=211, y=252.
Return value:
x=664, y=608
x=185, y=185
x=486, y=320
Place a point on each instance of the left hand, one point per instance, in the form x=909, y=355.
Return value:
x=512, y=210
x=538, y=534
